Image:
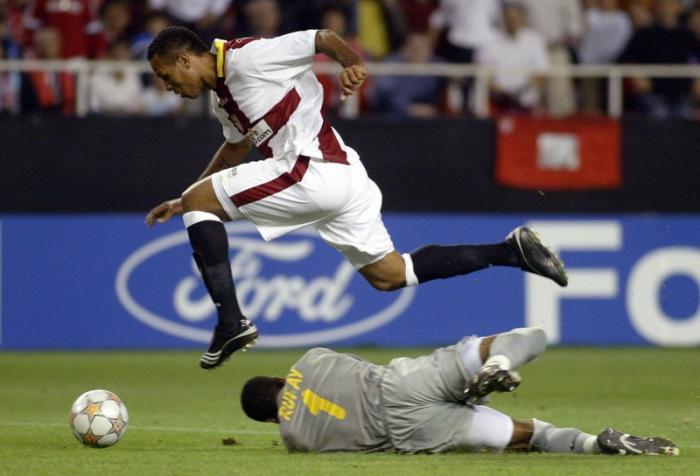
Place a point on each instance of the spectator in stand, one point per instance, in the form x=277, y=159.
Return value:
x=519, y=56
x=640, y=14
x=410, y=96
x=158, y=101
x=560, y=22
x=263, y=18
x=8, y=37
x=334, y=17
x=381, y=26
x=668, y=41
x=693, y=23
x=13, y=12
x=203, y=16
x=292, y=15
x=47, y=91
x=9, y=81
x=153, y=24
x=117, y=92
x=607, y=30
x=79, y=29
x=116, y=20
x=417, y=14
x=469, y=25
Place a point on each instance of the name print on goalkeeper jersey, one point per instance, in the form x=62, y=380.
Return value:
x=290, y=396
x=313, y=402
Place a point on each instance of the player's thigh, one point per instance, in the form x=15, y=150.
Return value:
x=357, y=231
x=201, y=197
x=438, y=377
x=449, y=426
x=235, y=186
x=280, y=195
x=486, y=428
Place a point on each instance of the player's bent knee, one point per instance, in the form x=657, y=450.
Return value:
x=538, y=339
x=382, y=284
x=387, y=274
x=541, y=337
x=200, y=197
x=190, y=199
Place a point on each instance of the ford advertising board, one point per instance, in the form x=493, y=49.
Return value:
x=107, y=282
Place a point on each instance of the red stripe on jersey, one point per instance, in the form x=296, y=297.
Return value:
x=239, y=42
x=265, y=150
x=227, y=102
x=274, y=186
x=278, y=117
x=329, y=145
x=283, y=110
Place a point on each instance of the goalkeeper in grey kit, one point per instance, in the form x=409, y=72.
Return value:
x=331, y=401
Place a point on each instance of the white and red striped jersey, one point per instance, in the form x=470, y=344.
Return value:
x=266, y=90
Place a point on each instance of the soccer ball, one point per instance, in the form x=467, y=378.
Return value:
x=98, y=418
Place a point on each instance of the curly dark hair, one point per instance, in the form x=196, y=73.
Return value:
x=259, y=397
x=174, y=39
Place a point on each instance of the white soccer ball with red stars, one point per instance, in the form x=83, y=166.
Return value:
x=98, y=418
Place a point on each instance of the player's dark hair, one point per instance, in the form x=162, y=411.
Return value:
x=259, y=397
x=174, y=39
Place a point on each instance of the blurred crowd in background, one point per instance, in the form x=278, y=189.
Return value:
x=519, y=38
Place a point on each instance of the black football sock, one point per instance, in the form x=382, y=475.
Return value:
x=440, y=262
x=210, y=250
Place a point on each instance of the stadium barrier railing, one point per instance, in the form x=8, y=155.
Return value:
x=615, y=74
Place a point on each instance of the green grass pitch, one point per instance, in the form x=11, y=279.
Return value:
x=179, y=415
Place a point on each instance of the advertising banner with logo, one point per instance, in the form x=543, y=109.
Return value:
x=107, y=282
x=558, y=154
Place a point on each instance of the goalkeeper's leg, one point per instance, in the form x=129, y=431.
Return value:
x=493, y=369
x=489, y=428
x=537, y=435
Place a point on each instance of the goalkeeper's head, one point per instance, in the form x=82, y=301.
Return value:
x=259, y=398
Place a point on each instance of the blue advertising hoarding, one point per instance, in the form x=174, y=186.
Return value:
x=107, y=282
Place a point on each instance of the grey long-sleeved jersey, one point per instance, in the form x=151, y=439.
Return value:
x=331, y=402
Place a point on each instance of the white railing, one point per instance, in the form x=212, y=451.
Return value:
x=615, y=74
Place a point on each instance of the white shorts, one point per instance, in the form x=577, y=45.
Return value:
x=282, y=195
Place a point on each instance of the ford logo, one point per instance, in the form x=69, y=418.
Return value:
x=289, y=287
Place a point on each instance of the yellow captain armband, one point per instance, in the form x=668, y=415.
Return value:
x=316, y=403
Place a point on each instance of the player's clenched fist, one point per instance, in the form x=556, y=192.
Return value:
x=351, y=78
x=164, y=212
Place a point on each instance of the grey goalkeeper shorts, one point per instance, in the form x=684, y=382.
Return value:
x=423, y=407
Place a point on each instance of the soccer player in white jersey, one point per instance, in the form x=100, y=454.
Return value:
x=264, y=94
x=339, y=402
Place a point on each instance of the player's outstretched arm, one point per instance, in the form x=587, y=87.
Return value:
x=354, y=70
x=164, y=212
